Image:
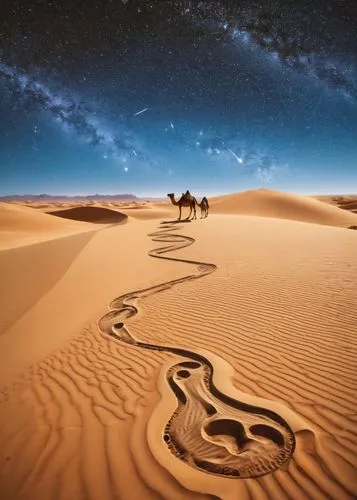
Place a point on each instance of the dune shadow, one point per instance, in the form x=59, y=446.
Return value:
x=96, y=215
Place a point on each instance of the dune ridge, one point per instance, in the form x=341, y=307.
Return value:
x=21, y=225
x=15, y=217
x=269, y=203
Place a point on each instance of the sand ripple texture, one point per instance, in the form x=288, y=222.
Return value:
x=208, y=430
x=273, y=329
x=287, y=324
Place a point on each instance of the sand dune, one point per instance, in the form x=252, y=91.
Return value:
x=282, y=311
x=237, y=362
x=347, y=202
x=21, y=225
x=268, y=203
x=30, y=272
x=98, y=215
x=149, y=212
x=14, y=217
x=135, y=210
x=349, y=205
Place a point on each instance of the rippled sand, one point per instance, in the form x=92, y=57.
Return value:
x=260, y=349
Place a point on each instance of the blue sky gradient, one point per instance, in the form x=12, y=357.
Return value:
x=148, y=97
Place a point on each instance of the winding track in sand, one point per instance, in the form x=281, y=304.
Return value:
x=209, y=430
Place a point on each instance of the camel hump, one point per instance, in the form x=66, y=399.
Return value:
x=188, y=192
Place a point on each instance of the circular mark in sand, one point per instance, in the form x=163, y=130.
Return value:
x=220, y=435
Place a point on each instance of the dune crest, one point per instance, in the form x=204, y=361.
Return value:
x=269, y=203
x=21, y=225
x=14, y=217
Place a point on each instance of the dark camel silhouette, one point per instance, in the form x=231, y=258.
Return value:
x=204, y=206
x=186, y=200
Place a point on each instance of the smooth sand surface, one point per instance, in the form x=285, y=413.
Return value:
x=267, y=203
x=269, y=310
x=21, y=225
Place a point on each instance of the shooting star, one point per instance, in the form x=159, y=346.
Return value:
x=141, y=111
x=239, y=160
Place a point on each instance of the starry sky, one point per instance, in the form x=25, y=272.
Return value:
x=150, y=97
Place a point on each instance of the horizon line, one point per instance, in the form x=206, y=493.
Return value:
x=164, y=196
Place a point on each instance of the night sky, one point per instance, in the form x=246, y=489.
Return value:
x=151, y=97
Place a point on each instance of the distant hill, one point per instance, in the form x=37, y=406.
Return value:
x=49, y=197
x=269, y=203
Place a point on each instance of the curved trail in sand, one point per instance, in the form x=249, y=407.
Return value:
x=210, y=431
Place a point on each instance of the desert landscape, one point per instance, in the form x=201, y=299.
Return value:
x=147, y=358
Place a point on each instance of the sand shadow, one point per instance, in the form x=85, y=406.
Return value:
x=176, y=221
x=96, y=215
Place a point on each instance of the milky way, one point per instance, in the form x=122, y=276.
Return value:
x=264, y=28
x=155, y=96
x=72, y=115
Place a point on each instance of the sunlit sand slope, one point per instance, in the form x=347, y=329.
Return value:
x=267, y=203
x=88, y=420
x=29, y=272
x=282, y=309
x=14, y=217
x=20, y=225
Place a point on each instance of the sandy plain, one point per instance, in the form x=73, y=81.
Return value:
x=145, y=358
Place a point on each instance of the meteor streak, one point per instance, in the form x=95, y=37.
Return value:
x=141, y=111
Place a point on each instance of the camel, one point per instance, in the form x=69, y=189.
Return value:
x=186, y=200
x=204, y=206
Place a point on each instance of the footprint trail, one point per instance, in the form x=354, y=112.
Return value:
x=209, y=430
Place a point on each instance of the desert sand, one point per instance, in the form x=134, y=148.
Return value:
x=143, y=358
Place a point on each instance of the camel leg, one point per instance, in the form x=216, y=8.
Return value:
x=189, y=215
x=194, y=210
x=180, y=212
